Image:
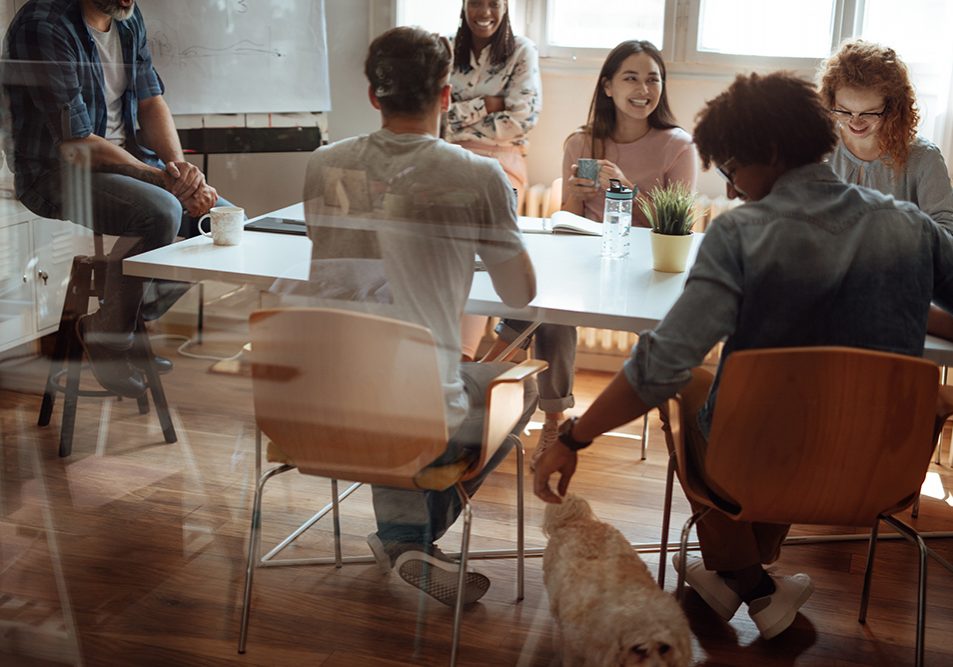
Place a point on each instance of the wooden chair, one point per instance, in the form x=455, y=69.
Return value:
x=86, y=281
x=819, y=435
x=353, y=396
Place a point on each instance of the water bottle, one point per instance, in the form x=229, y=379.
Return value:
x=617, y=220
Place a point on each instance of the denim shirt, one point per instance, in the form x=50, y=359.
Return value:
x=815, y=262
x=58, y=93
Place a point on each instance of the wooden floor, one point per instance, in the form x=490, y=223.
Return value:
x=132, y=551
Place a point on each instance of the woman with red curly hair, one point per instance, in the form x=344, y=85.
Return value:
x=867, y=88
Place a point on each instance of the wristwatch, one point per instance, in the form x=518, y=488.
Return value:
x=565, y=436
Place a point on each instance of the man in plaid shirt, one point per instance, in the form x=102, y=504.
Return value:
x=80, y=81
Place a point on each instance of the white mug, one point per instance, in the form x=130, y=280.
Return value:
x=227, y=223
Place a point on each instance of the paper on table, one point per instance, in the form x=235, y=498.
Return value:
x=564, y=221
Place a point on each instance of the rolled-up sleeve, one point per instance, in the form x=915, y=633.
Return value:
x=705, y=313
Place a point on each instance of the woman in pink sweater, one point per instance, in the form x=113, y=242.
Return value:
x=631, y=132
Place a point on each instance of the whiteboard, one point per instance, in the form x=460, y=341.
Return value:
x=240, y=56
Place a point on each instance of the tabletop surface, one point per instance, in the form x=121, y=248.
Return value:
x=576, y=286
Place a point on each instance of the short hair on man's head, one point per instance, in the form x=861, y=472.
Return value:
x=871, y=66
x=774, y=118
x=407, y=68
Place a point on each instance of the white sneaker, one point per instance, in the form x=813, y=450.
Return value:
x=710, y=587
x=547, y=438
x=774, y=613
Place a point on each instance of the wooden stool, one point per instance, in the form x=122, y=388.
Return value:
x=87, y=279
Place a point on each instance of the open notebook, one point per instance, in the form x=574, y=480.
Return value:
x=561, y=222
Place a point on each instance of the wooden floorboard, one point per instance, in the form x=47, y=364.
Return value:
x=132, y=551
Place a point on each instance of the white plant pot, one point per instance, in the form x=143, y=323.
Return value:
x=670, y=253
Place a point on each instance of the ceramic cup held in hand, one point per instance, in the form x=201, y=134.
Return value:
x=227, y=224
x=588, y=168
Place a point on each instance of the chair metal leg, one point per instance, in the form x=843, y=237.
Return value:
x=666, y=519
x=645, y=434
x=917, y=539
x=683, y=553
x=520, y=523
x=939, y=439
x=257, y=452
x=915, y=508
x=868, y=572
x=462, y=578
x=336, y=520
x=254, y=540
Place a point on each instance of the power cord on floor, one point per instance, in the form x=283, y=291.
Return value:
x=182, y=349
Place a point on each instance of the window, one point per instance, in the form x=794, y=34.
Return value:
x=801, y=29
x=441, y=16
x=919, y=31
x=601, y=23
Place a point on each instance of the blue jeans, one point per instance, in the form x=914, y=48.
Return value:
x=556, y=345
x=144, y=217
x=422, y=517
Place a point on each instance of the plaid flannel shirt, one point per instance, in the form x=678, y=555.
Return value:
x=55, y=85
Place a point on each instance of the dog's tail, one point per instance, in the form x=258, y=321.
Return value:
x=570, y=509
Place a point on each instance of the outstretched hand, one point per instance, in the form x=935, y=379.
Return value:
x=556, y=459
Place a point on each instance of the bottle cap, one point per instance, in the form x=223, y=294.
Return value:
x=617, y=191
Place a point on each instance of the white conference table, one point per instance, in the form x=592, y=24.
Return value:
x=575, y=286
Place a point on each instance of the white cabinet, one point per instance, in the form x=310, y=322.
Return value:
x=16, y=289
x=35, y=259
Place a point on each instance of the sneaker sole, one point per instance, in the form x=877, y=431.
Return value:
x=785, y=622
x=382, y=560
x=710, y=599
x=441, y=583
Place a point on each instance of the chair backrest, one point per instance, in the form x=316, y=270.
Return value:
x=824, y=435
x=348, y=395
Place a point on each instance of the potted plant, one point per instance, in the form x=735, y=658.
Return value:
x=670, y=211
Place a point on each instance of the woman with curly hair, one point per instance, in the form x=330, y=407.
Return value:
x=867, y=88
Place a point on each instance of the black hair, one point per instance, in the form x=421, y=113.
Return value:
x=765, y=119
x=502, y=44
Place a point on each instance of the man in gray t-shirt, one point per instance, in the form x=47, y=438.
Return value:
x=809, y=260
x=397, y=218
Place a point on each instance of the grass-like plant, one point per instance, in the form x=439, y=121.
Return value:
x=670, y=209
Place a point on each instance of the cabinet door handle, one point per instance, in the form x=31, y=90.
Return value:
x=43, y=275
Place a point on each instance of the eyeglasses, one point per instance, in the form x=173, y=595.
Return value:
x=867, y=116
x=727, y=172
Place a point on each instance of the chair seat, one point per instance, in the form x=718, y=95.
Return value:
x=431, y=478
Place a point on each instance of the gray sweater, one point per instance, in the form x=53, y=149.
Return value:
x=924, y=179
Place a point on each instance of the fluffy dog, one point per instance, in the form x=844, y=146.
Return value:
x=607, y=606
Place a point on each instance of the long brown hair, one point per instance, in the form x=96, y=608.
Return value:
x=602, y=112
x=502, y=44
x=862, y=64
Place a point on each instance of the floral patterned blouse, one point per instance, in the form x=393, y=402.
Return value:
x=517, y=80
